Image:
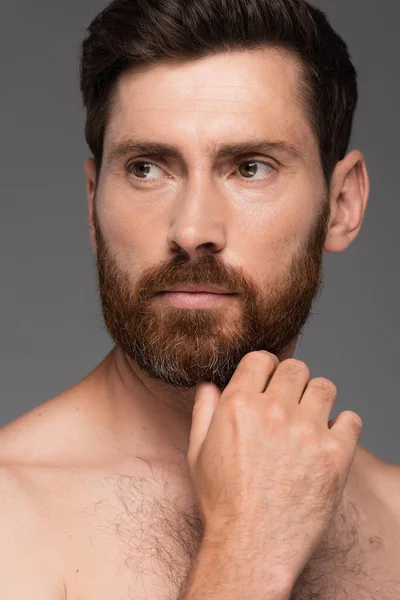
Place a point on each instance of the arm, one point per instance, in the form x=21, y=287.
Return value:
x=223, y=573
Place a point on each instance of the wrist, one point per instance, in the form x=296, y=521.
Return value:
x=247, y=569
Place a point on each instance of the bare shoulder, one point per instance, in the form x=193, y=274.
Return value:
x=371, y=472
x=388, y=478
x=56, y=432
x=28, y=566
x=375, y=483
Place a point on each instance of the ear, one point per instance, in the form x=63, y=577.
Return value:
x=349, y=196
x=91, y=178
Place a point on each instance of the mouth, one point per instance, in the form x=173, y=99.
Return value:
x=191, y=299
x=197, y=289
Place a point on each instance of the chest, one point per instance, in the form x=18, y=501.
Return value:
x=139, y=542
x=358, y=559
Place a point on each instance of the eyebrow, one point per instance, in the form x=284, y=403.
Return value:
x=124, y=148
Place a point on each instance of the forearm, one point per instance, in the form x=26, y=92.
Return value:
x=225, y=573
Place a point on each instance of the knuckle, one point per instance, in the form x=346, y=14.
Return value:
x=294, y=366
x=324, y=386
x=333, y=446
x=276, y=413
x=236, y=401
x=264, y=358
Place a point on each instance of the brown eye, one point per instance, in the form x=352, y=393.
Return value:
x=249, y=169
x=144, y=171
x=140, y=170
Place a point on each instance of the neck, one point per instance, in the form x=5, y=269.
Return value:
x=145, y=417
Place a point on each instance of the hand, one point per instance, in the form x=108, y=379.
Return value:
x=267, y=467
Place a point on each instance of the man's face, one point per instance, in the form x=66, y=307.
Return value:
x=253, y=222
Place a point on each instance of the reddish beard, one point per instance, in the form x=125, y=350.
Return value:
x=184, y=346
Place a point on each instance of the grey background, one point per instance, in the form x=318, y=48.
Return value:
x=52, y=333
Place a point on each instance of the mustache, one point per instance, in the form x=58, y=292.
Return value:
x=205, y=270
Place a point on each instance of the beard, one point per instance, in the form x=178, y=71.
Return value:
x=182, y=347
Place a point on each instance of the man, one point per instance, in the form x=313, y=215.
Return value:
x=219, y=176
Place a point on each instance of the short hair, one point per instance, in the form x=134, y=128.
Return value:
x=145, y=32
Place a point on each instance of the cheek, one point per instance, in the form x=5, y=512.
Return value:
x=274, y=238
x=126, y=212
x=122, y=231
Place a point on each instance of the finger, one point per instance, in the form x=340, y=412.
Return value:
x=253, y=372
x=348, y=427
x=288, y=383
x=318, y=399
x=206, y=400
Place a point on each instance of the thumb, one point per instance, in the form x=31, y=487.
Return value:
x=205, y=403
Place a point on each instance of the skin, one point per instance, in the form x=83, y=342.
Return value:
x=205, y=208
x=60, y=460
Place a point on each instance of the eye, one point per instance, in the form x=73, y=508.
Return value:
x=143, y=170
x=249, y=169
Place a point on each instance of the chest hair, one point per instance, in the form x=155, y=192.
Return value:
x=161, y=531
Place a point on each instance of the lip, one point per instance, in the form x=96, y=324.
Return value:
x=195, y=300
x=193, y=289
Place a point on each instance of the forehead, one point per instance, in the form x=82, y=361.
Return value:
x=218, y=98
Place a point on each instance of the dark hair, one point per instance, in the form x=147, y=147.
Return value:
x=132, y=32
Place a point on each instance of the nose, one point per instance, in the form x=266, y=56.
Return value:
x=199, y=219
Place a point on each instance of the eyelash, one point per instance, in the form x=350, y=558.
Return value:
x=148, y=181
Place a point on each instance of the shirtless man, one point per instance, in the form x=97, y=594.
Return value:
x=198, y=460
